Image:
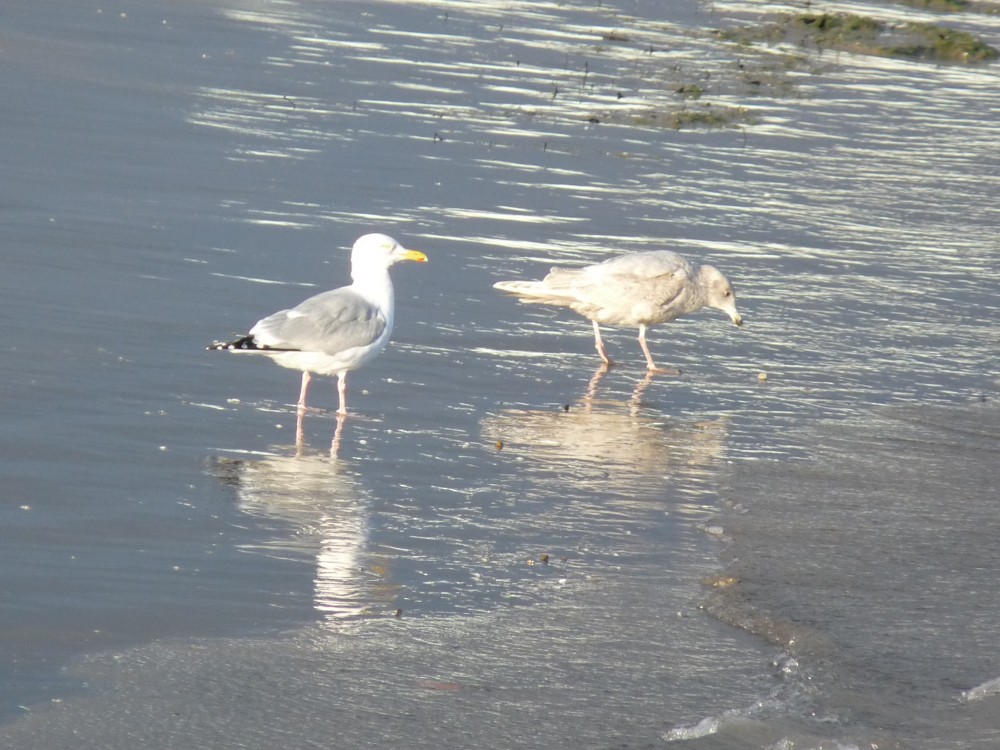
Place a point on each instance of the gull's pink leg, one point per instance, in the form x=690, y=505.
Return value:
x=600, y=344
x=306, y=377
x=342, y=392
x=650, y=364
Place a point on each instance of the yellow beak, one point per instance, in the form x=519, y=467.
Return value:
x=414, y=255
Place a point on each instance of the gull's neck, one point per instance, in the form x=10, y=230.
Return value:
x=699, y=296
x=374, y=284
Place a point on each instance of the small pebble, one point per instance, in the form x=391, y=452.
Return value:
x=721, y=581
x=786, y=664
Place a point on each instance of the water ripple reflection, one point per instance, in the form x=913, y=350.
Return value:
x=620, y=450
x=319, y=503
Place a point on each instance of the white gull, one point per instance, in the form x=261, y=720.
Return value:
x=338, y=331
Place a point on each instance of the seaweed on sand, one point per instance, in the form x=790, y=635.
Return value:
x=848, y=32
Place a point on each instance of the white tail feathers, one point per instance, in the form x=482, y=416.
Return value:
x=530, y=288
x=539, y=292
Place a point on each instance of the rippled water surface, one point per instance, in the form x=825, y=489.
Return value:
x=501, y=546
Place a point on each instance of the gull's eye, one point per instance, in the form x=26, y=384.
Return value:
x=729, y=293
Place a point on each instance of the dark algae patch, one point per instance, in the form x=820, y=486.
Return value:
x=690, y=91
x=703, y=116
x=931, y=42
x=708, y=116
x=847, y=32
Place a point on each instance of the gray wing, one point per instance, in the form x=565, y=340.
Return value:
x=330, y=322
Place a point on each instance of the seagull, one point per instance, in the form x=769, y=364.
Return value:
x=636, y=289
x=338, y=331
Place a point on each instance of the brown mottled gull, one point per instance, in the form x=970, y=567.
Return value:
x=637, y=289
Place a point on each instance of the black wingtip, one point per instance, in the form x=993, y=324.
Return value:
x=245, y=342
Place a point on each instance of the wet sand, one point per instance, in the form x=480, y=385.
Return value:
x=870, y=563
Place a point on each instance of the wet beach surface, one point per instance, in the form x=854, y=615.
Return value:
x=509, y=548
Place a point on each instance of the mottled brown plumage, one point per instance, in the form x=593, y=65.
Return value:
x=637, y=289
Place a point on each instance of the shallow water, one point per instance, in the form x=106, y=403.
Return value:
x=177, y=170
x=872, y=563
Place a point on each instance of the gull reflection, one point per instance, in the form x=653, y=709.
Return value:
x=300, y=434
x=637, y=393
x=320, y=504
x=614, y=444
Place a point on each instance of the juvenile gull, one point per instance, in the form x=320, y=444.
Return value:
x=336, y=331
x=636, y=289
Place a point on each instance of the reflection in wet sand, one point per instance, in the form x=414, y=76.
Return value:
x=637, y=392
x=621, y=445
x=320, y=504
x=300, y=433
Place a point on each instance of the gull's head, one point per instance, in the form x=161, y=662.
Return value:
x=719, y=292
x=381, y=251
